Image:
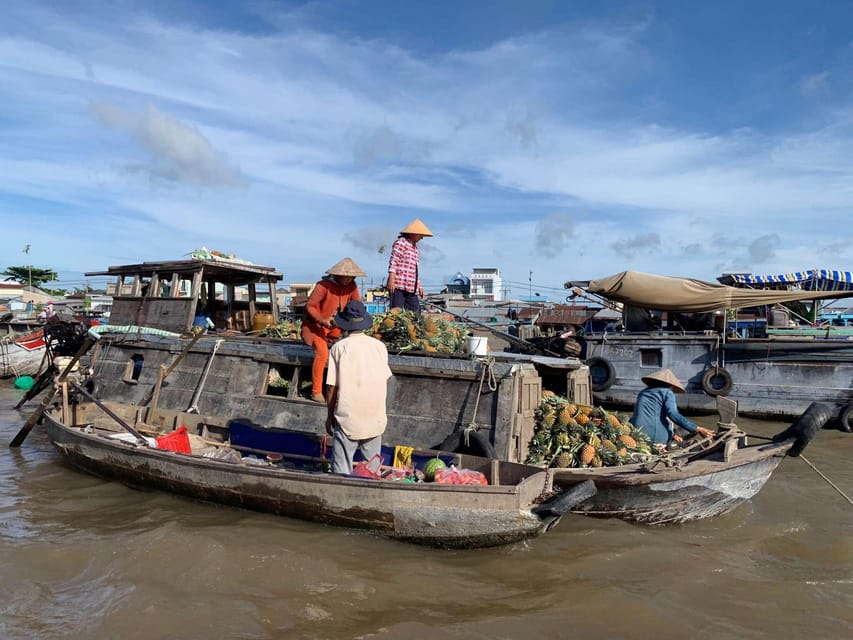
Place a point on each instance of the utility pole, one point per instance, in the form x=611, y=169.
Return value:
x=29, y=267
x=530, y=282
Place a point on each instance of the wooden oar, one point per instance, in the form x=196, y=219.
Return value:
x=31, y=421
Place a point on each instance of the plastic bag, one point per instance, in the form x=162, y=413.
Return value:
x=369, y=469
x=452, y=475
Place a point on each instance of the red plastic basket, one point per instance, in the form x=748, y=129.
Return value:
x=178, y=441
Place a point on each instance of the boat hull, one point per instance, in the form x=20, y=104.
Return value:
x=23, y=356
x=447, y=516
x=715, y=488
x=770, y=378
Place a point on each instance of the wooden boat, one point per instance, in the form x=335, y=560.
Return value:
x=517, y=503
x=22, y=355
x=707, y=479
x=680, y=324
x=160, y=377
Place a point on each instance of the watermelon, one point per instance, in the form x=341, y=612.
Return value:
x=430, y=468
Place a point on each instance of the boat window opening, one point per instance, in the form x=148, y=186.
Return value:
x=133, y=369
x=651, y=358
x=283, y=380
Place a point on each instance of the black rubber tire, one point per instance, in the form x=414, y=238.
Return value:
x=478, y=444
x=804, y=429
x=602, y=374
x=845, y=419
x=717, y=382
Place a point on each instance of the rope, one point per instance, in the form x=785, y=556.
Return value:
x=828, y=481
x=487, y=364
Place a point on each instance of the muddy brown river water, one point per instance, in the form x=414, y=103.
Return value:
x=84, y=558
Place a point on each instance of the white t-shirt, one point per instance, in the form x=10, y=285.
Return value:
x=358, y=367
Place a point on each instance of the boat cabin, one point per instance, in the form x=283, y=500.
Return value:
x=219, y=293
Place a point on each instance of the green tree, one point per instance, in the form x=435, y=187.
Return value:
x=31, y=275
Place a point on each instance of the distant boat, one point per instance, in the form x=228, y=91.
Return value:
x=21, y=355
x=773, y=367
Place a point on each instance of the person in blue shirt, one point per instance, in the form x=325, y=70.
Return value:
x=655, y=411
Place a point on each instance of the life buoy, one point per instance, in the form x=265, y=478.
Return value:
x=602, y=374
x=717, y=382
x=845, y=419
x=478, y=444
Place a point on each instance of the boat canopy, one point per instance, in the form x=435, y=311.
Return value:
x=688, y=295
x=808, y=280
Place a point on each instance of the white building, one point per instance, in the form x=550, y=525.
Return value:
x=487, y=284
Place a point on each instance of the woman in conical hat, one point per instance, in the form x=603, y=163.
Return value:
x=330, y=295
x=404, y=282
x=656, y=411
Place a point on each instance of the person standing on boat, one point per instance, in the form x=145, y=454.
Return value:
x=404, y=282
x=330, y=295
x=655, y=411
x=356, y=388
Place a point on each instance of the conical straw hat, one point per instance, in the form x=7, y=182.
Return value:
x=667, y=376
x=418, y=227
x=346, y=267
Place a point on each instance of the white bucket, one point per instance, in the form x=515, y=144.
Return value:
x=62, y=362
x=477, y=345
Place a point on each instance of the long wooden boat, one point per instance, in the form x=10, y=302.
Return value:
x=775, y=372
x=516, y=503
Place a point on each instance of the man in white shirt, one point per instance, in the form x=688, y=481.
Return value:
x=356, y=389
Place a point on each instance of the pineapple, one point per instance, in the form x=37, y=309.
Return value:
x=587, y=454
x=628, y=441
x=563, y=460
x=564, y=416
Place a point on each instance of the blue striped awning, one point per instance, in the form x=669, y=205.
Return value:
x=808, y=280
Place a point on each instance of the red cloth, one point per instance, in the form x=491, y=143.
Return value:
x=327, y=298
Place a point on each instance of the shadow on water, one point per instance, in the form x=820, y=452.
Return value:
x=82, y=557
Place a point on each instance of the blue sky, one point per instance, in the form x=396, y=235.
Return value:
x=567, y=139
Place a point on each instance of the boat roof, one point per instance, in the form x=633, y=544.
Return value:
x=807, y=280
x=225, y=270
x=689, y=295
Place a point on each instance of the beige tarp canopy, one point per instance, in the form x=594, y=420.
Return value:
x=667, y=293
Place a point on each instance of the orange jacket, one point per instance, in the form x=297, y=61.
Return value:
x=327, y=298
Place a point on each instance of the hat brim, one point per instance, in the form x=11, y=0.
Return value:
x=676, y=386
x=356, y=324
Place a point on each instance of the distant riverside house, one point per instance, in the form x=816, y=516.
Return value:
x=22, y=298
x=487, y=284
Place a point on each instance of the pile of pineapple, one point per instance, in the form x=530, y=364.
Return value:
x=284, y=329
x=403, y=330
x=570, y=435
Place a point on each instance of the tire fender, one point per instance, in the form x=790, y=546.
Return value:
x=717, y=382
x=601, y=372
x=845, y=418
x=478, y=444
x=804, y=429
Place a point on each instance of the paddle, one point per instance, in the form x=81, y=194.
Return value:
x=31, y=421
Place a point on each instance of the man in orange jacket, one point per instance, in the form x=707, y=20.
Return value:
x=330, y=295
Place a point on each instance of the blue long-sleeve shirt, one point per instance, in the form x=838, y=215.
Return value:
x=654, y=405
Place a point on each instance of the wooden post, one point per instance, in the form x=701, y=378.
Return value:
x=65, y=413
x=155, y=394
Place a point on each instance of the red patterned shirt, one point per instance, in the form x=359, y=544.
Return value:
x=404, y=265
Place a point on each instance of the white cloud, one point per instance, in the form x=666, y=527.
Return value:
x=179, y=152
